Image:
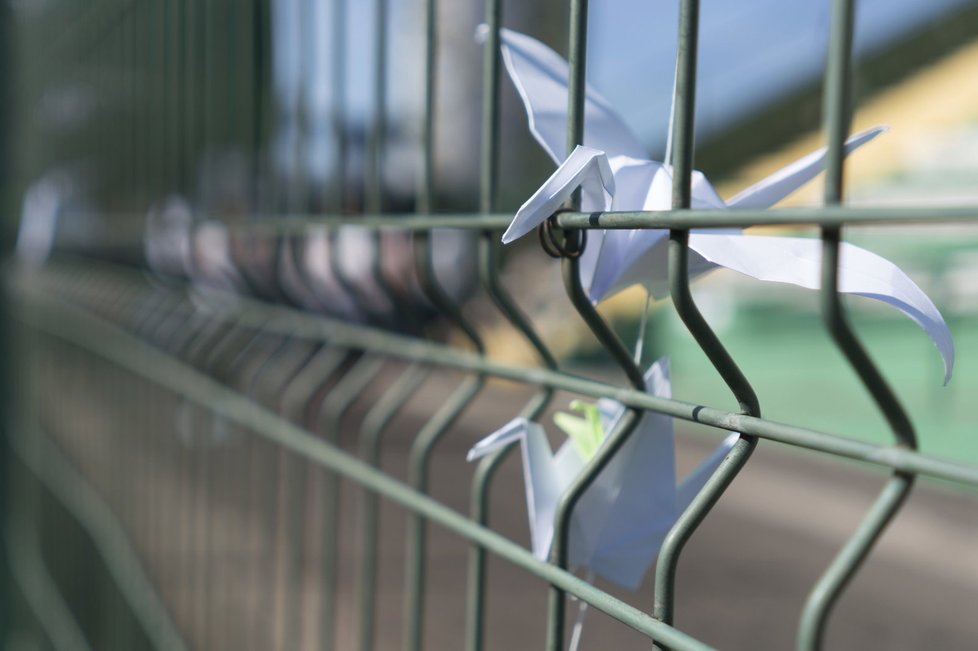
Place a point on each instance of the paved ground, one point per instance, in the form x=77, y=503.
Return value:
x=742, y=580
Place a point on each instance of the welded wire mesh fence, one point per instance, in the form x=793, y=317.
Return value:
x=199, y=428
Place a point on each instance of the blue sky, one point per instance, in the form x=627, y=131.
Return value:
x=751, y=52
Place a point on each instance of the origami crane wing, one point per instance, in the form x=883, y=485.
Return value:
x=791, y=260
x=626, y=557
x=774, y=188
x=540, y=76
x=798, y=261
x=621, y=520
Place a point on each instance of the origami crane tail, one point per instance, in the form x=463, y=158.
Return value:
x=798, y=261
x=779, y=185
x=695, y=480
x=585, y=168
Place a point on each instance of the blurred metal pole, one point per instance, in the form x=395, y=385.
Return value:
x=6, y=229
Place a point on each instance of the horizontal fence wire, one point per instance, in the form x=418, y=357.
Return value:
x=274, y=318
x=127, y=229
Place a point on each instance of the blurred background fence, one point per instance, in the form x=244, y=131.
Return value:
x=255, y=311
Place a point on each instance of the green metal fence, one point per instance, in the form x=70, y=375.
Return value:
x=281, y=381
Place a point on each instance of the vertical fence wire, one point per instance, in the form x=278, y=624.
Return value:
x=489, y=267
x=419, y=456
x=837, y=110
x=410, y=379
x=574, y=243
x=683, y=150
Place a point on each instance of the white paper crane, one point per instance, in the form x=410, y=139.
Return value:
x=621, y=519
x=612, y=170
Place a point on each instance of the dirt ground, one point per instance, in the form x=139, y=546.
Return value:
x=742, y=580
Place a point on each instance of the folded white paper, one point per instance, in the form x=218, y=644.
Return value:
x=612, y=170
x=621, y=519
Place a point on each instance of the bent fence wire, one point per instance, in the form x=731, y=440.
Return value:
x=258, y=386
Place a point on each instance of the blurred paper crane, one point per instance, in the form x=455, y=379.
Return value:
x=620, y=521
x=613, y=173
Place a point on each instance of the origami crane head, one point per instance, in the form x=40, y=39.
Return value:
x=613, y=172
x=621, y=519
